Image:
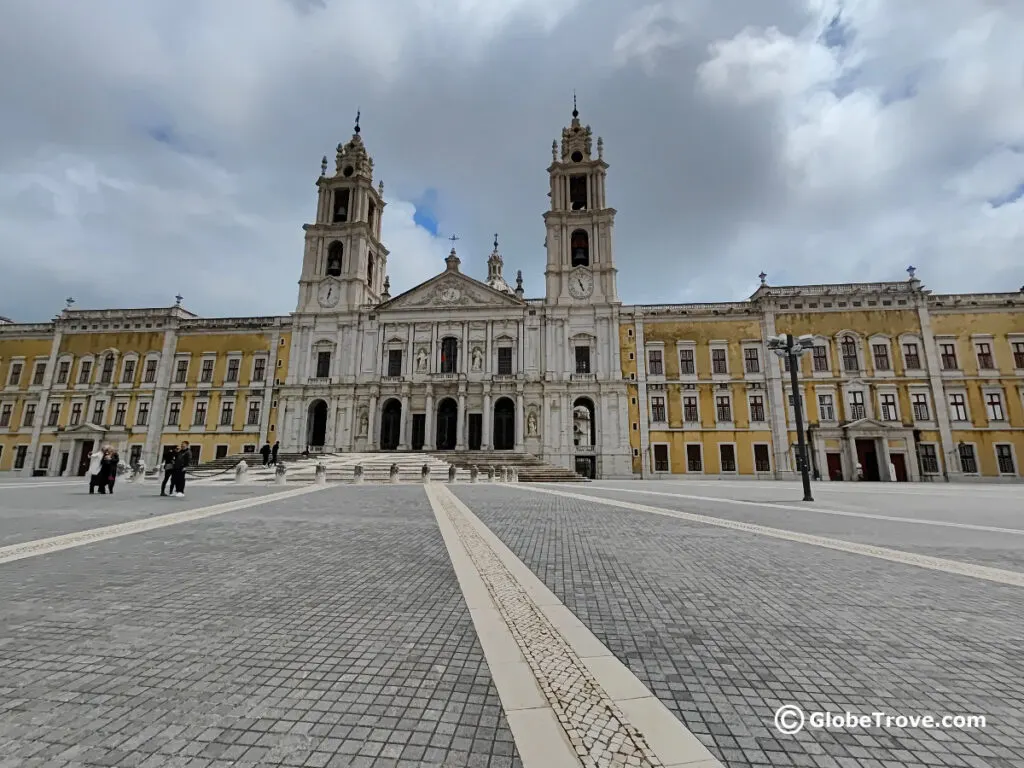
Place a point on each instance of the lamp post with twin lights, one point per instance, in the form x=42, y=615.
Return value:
x=788, y=347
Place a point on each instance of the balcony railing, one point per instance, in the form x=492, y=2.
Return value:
x=583, y=377
x=320, y=380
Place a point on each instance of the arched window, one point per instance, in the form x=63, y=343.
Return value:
x=580, y=247
x=449, y=354
x=369, y=269
x=334, y=254
x=107, y=374
x=849, y=351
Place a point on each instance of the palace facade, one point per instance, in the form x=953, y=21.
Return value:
x=898, y=384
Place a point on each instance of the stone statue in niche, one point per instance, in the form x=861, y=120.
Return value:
x=364, y=424
x=581, y=427
x=421, y=360
x=478, y=359
x=531, y=424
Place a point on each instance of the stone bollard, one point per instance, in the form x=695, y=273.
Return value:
x=513, y=475
x=394, y=473
x=280, y=474
x=451, y=473
x=357, y=474
x=490, y=474
x=425, y=473
x=140, y=472
x=320, y=478
x=474, y=473
x=241, y=472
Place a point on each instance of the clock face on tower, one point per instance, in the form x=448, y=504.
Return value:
x=581, y=284
x=328, y=293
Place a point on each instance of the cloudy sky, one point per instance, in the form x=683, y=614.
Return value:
x=163, y=146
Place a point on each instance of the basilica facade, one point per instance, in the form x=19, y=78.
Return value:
x=897, y=383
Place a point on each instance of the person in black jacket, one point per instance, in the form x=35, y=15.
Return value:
x=112, y=461
x=274, y=450
x=169, y=455
x=181, y=462
x=265, y=453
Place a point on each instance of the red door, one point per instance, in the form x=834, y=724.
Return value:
x=899, y=463
x=835, y=466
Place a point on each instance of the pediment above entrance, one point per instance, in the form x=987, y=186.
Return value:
x=451, y=290
x=86, y=429
x=870, y=425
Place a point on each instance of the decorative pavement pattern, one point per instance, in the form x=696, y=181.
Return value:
x=726, y=626
x=320, y=630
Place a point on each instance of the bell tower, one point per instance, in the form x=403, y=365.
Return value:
x=344, y=262
x=580, y=267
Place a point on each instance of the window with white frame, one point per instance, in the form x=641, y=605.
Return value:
x=206, y=370
x=63, y=371
x=259, y=369
x=857, y=408
x=84, y=371
x=791, y=408
x=762, y=458
x=826, y=407
x=120, y=414
x=919, y=403
x=54, y=418
x=968, y=459
x=947, y=356
x=28, y=416
x=694, y=457
x=819, y=358
x=727, y=454
x=719, y=361
x=1018, y=354
x=98, y=410
x=687, y=362
x=994, y=406
x=6, y=410
x=128, y=371
x=76, y=414
x=142, y=414
x=661, y=457
x=929, y=458
x=1004, y=459
x=39, y=375
x=756, y=407
x=199, y=413
x=880, y=356
x=233, y=369
x=983, y=351
x=656, y=362
x=889, y=409
x=751, y=360
x=723, y=408
x=848, y=350
x=252, y=418
x=180, y=371
x=107, y=371
x=149, y=372
x=958, y=406
x=173, y=414
x=911, y=356
x=691, y=413
x=658, y=408
x=227, y=413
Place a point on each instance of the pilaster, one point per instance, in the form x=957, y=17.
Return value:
x=44, y=396
x=641, y=396
x=938, y=390
x=150, y=451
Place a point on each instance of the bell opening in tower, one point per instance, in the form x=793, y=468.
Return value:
x=371, y=216
x=578, y=193
x=340, y=206
x=334, y=254
x=580, y=246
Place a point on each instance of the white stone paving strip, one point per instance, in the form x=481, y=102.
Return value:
x=69, y=540
x=820, y=511
x=1014, y=578
x=568, y=700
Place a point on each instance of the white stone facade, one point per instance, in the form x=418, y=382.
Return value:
x=459, y=363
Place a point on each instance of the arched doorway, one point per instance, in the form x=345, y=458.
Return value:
x=390, y=425
x=316, y=424
x=447, y=424
x=584, y=436
x=504, y=424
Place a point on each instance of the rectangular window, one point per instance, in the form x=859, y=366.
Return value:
x=253, y=417
x=39, y=374
x=20, y=453
x=911, y=356
x=826, y=408
x=1004, y=458
x=394, y=362
x=751, y=360
x=787, y=363
x=1018, y=355
x=848, y=348
x=694, y=459
x=719, y=364
x=582, y=359
x=690, y=414
x=323, y=365
x=658, y=409
x=227, y=414
x=948, y=357
x=120, y=414
x=686, y=362
x=45, y=452
x=762, y=458
x=149, y=375
x=63, y=371
x=919, y=401
x=76, y=415
x=84, y=372
x=54, y=418
x=655, y=363
x=206, y=372
x=449, y=354
x=888, y=402
x=181, y=372
x=728, y=455
x=756, y=408
x=929, y=459
x=233, y=365
x=14, y=377
x=857, y=409
x=107, y=373
x=142, y=415
x=174, y=414
x=958, y=407
x=199, y=414
x=5, y=415
x=968, y=461
x=661, y=458
x=259, y=369
x=792, y=409
x=128, y=374
x=994, y=406
x=880, y=353
x=723, y=408
x=28, y=418
x=98, y=409
x=985, y=361
x=504, y=361
x=819, y=356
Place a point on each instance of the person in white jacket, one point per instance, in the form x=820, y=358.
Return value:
x=96, y=480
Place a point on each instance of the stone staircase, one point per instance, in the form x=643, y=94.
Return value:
x=530, y=468
x=341, y=468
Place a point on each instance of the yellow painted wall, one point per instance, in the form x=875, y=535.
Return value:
x=142, y=342
x=702, y=332
x=865, y=323
x=274, y=375
x=27, y=348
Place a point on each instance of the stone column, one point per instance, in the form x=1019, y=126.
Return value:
x=268, y=388
x=403, y=432
x=641, y=397
x=372, y=428
x=158, y=411
x=776, y=401
x=950, y=458
x=485, y=439
x=520, y=405
x=41, y=416
x=430, y=438
x=460, y=426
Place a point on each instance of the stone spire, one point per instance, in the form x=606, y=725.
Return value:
x=494, y=266
x=352, y=159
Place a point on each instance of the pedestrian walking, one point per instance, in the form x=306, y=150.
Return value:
x=109, y=463
x=169, y=455
x=265, y=453
x=95, y=472
x=182, y=460
x=274, y=450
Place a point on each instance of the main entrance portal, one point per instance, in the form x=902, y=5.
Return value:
x=447, y=424
x=504, y=425
x=316, y=429
x=390, y=425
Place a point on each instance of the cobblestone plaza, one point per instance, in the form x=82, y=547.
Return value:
x=657, y=624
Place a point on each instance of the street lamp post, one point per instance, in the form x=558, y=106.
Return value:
x=788, y=347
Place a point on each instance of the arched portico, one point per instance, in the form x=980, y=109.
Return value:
x=316, y=424
x=447, y=424
x=391, y=425
x=504, y=436
x=584, y=436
